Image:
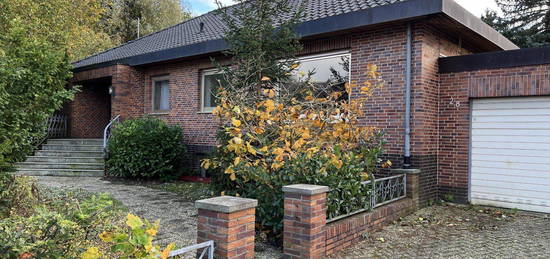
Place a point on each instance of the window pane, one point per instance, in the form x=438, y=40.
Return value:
x=329, y=73
x=161, y=95
x=164, y=96
x=326, y=70
x=211, y=84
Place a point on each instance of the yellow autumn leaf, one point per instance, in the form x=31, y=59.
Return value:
x=167, y=250
x=294, y=66
x=298, y=143
x=151, y=231
x=269, y=105
x=237, y=160
x=106, y=236
x=91, y=253
x=229, y=170
x=205, y=163
x=133, y=221
x=233, y=177
x=235, y=122
x=222, y=193
x=237, y=140
x=250, y=149
x=265, y=78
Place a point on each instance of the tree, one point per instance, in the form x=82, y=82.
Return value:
x=73, y=24
x=524, y=22
x=121, y=18
x=34, y=71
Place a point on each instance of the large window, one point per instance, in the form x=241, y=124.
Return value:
x=329, y=71
x=211, y=81
x=161, y=94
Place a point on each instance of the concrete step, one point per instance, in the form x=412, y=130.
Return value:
x=98, y=142
x=76, y=166
x=59, y=172
x=70, y=160
x=72, y=147
x=68, y=153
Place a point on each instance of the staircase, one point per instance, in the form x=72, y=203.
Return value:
x=66, y=157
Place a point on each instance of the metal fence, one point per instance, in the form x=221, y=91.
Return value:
x=385, y=190
x=207, y=250
x=56, y=126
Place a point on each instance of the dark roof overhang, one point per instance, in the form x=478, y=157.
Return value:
x=495, y=60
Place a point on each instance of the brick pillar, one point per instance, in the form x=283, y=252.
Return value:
x=413, y=184
x=229, y=221
x=304, y=221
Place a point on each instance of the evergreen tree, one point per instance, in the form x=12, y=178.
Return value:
x=524, y=22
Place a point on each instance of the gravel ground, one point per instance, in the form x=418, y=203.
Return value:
x=459, y=231
x=177, y=214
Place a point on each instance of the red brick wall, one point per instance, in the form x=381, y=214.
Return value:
x=429, y=44
x=457, y=89
x=89, y=112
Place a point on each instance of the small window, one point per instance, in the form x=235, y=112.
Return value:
x=211, y=81
x=161, y=94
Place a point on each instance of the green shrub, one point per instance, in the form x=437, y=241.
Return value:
x=54, y=224
x=145, y=148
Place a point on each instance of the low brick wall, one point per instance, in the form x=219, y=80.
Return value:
x=345, y=232
x=306, y=233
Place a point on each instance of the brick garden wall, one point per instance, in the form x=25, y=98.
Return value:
x=457, y=90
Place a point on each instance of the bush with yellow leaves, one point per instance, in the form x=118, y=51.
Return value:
x=279, y=126
x=299, y=132
x=136, y=241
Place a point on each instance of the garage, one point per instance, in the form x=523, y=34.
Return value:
x=510, y=153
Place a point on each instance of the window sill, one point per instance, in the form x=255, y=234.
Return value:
x=204, y=112
x=159, y=113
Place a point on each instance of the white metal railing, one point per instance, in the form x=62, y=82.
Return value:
x=385, y=190
x=107, y=131
x=208, y=250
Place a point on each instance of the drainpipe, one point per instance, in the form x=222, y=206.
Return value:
x=408, y=76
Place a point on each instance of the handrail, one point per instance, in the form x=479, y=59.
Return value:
x=107, y=132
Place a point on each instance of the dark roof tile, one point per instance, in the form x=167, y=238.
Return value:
x=188, y=32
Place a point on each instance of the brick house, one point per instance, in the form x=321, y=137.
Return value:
x=167, y=74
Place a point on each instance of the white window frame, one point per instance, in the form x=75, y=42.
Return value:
x=153, y=81
x=205, y=73
x=326, y=55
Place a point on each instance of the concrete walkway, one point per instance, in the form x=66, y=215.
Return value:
x=177, y=217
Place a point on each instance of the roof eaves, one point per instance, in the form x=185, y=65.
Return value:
x=461, y=15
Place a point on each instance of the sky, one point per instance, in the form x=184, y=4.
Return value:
x=198, y=7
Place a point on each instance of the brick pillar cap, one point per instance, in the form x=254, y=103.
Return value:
x=406, y=171
x=226, y=204
x=306, y=189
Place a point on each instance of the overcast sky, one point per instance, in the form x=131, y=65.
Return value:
x=477, y=7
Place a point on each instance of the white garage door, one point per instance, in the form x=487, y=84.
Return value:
x=510, y=153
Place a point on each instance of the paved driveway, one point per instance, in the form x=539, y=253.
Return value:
x=455, y=231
